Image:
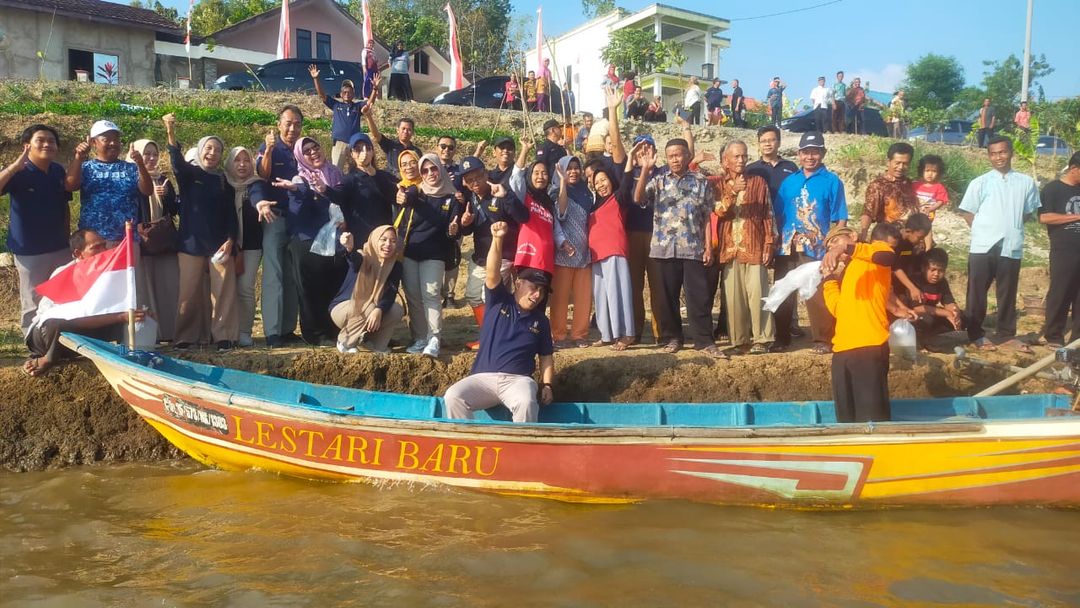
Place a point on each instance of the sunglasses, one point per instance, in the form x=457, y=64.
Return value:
x=428, y=169
x=310, y=150
x=447, y=146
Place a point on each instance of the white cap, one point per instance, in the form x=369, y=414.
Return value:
x=103, y=126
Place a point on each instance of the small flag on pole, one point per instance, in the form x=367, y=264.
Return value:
x=539, y=39
x=457, y=72
x=284, y=36
x=187, y=37
x=367, y=23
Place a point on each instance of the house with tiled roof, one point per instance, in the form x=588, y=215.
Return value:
x=81, y=39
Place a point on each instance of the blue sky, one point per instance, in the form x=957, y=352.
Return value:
x=866, y=39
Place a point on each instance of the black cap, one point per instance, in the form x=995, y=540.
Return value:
x=534, y=276
x=550, y=124
x=470, y=164
x=502, y=141
x=812, y=139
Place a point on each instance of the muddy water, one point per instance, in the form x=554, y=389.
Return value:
x=180, y=535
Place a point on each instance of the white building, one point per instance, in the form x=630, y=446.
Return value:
x=576, y=54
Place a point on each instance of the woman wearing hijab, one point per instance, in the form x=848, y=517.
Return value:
x=366, y=307
x=400, y=84
x=609, y=247
x=536, y=239
x=512, y=93
x=427, y=219
x=253, y=204
x=317, y=271
x=159, y=270
x=206, y=242
x=572, y=273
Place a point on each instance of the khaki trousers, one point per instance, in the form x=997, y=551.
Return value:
x=640, y=266
x=744, y=286
x=34, y=270
x=199, y=320
x=578, y=282
x=339, y=155
x=352, y=326
x=483, y=391
x=162, y=282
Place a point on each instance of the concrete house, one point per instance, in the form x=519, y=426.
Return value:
x=322, y=29
x=93, y=40
x=577, y=52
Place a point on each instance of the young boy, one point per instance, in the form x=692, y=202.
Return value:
x=938, y=312
x=929, y=190
x=909, y=255
x=861, y=303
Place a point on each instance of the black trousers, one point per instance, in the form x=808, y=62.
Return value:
x=400, y=87
x=319, y=278
x=860, y=384
x=695, y=113
x=823, y=120
x=1064, y=294
x=43, y=340
x=1004, y=274
x=675, y=277
x=714, y=275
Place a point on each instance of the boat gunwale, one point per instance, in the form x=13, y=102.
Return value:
x=496, y=429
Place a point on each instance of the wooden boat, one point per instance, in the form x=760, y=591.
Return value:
x=955, y=451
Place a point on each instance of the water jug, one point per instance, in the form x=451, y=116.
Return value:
x=902, y=339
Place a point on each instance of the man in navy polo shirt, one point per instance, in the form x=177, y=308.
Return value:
x=391, y=147
x=810, y=203
x=346, y=120
x=39, y=213
x=280, y=294
x=515, y=331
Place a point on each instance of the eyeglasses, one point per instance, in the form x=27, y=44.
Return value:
x=447, y=146
x=310, y=151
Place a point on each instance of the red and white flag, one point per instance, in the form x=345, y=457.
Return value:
x=187, y=37
x=539, y=39
x=457, y=72
x=367, y=24
x=284, y=39
x=97, y=285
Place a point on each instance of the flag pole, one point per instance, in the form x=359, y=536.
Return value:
x=129, y=242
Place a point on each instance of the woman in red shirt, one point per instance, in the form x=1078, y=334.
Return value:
x=609, y=248
x=510, y=93
x=536, y=239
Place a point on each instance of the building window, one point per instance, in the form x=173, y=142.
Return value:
x=420, y=62
x=93, y=67
x=322, y=46
x=80, y=61
x=303, y=44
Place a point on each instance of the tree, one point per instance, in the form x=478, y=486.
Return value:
x=1003, y=80
x=595, y=8
x=933, y=82
x=167, y=12
x=210, y=16
x=637, y=50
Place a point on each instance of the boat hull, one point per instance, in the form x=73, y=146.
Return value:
x=1009, y=462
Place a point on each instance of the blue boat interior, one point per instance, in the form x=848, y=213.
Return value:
x=360, y=402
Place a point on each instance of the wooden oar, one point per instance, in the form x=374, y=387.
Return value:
x=1024, y=374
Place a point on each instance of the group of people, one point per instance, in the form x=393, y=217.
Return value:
x=338, y=237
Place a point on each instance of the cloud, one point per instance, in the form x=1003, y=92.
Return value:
x=885, y=79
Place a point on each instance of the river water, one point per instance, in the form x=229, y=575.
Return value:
x=181, y=535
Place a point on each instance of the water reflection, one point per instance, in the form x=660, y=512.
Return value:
x=184, y=536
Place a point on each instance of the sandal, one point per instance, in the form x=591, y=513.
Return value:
x=983, y=343
x=715, y=352
x=759, y=349
x=600, y=343
x=1019, y=346
x=583, y=344
x=620, y=345
x=35, y=367
x=671, y=347
x=820, y=348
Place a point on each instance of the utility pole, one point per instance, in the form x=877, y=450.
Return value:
x=1027, y=54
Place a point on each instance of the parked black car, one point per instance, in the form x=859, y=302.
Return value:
x=292, y=75
x=1053, y=146
x=802, y=122
x=952, y=132
x=488, y=93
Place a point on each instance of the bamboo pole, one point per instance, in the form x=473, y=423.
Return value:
x=562, y=89
x=1024, y=374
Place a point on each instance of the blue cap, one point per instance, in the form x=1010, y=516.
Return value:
x=645, y=138
x=360, y=137
x=470, y=164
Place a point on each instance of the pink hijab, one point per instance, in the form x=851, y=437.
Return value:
x=331, y=175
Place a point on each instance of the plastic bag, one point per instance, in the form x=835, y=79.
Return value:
x=325, y=243
x=805, y=279
x=902, y=339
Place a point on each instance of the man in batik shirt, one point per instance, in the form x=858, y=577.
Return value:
x=890, y=197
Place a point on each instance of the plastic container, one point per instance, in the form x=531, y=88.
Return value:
x=146, y=332
x=902, y=339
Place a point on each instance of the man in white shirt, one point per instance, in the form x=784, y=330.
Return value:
x=821, y=102
x=692, y=101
